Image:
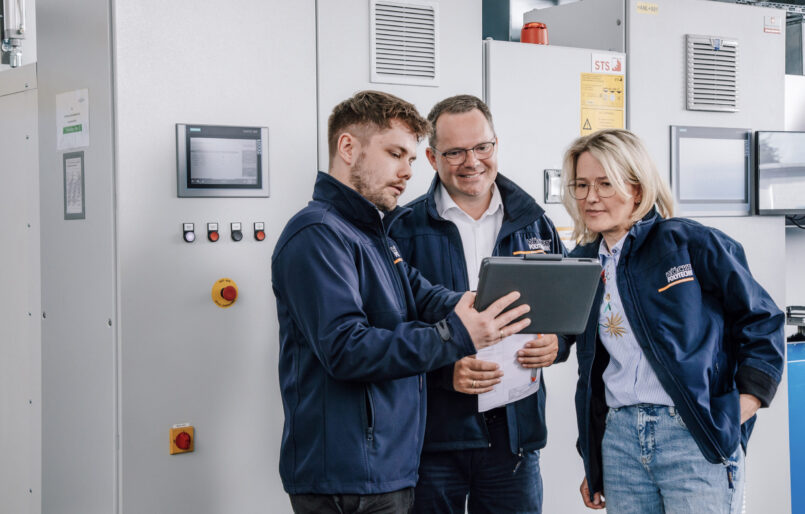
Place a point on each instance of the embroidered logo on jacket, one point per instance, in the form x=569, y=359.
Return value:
x=396, y=253
x=535, y=243
x=678, y=275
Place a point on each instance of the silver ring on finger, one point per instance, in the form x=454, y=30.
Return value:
x=501, y=335
x=473, y=385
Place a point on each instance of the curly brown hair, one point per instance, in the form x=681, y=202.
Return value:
x=371, y=111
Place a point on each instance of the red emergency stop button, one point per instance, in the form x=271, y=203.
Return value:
x=229, y=293
x=183, y=441
x=224, y=292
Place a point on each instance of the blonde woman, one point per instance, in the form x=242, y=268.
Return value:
x=682, y=346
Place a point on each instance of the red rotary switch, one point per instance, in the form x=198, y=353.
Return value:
x=229, y=293
x=183, y=441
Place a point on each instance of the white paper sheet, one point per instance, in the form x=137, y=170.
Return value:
x=72, y=119
x=517, y=382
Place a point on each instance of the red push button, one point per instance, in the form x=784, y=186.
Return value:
x=212, y=232
x=259, y=230
x=229, y=293
x=183, y=441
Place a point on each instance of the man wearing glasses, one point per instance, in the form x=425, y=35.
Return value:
x=486, y=461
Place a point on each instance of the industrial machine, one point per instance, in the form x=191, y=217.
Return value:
x=12, y=31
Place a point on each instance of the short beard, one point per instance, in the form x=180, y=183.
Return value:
x=356, y=173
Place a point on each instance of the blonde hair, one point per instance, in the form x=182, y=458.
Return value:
x=626, y=161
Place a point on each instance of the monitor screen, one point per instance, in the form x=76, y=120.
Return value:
x=220, y=161
x=215, y=160
x=710, y=170
x=780, y=173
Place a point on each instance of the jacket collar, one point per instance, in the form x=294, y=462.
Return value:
x=518, y=206
x=634, y=239
x=352, y=205
x=640, y=230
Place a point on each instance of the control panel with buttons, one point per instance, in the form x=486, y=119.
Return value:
x=214, y=231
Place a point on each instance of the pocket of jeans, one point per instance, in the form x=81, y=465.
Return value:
x=679, y=419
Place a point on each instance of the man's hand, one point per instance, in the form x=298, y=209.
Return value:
x=597, y=503
x=490, y=326
x=749, y=406
x=539, y=353
x=472, y=376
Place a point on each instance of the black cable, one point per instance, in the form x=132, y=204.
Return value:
x=795, y=220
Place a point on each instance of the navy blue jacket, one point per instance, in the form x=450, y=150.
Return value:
x=433, y=245
x=707, y=328
x=355, y=338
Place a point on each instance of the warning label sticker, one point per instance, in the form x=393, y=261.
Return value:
x=601, y=102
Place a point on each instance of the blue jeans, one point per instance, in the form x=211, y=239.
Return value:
x=652, y=464
x=495, y=480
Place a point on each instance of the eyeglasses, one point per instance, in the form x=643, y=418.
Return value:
x=579, y=189
x=459, y=155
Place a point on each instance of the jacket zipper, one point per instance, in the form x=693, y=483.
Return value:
x=673, y=378
x=395, y=272
x=370, y=415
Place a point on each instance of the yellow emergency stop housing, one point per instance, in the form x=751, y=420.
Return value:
x=222, y=292
x=182, y=435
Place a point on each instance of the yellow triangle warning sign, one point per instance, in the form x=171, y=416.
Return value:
x=587, y=125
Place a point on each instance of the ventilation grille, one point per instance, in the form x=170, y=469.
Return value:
x=405, y=46
x=712, y=73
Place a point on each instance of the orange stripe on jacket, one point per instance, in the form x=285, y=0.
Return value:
x=689, y=279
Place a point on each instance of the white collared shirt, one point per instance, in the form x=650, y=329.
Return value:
x=478, y=237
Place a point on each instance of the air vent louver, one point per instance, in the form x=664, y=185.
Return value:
x=405, y=46
x=712, y=69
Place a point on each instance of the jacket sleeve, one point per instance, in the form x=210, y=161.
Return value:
x=433, y=302
x=315, y=276
x=753, y=321
x=565, y=342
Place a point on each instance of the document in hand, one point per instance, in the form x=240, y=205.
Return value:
x=559, y=290
x=517, y=382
